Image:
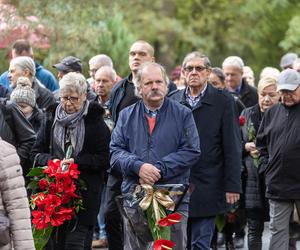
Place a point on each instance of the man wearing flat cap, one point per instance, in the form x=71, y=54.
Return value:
x=67, y=65
x=278, y=142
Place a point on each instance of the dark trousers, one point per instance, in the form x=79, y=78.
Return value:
x=63, y=239
x=255, y=231
x=113, y=219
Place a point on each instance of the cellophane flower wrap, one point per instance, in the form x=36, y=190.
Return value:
x=54, y=199
x=150, y=211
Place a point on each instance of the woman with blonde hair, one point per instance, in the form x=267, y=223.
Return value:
x=255, y=202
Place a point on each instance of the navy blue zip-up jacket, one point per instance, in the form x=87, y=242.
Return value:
x=173, y=146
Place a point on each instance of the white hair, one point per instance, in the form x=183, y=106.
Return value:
x=73, y=81
x=112, y=72
x=24, y=63
x=233, y=61
x=101, y=60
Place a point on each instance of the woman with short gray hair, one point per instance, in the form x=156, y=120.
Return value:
x=78, y=125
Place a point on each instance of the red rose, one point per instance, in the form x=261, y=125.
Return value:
x=231, y=217
x=170, y=220
x=163, y=244
x=242, y=120
x=43, y=184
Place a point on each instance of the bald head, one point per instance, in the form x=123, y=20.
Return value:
x=97, y=62
x=139, y=53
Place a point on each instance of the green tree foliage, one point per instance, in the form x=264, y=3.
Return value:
x=258, y=31
x=82, y=29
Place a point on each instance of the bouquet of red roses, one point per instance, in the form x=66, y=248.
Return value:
x=55, y=198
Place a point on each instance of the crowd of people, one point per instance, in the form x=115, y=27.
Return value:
x=235, y=143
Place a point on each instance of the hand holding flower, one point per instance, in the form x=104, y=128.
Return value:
x=250, y=146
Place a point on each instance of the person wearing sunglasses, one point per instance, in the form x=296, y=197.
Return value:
x=215, y=178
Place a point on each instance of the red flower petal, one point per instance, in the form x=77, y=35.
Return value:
x=163, y=244
x=170, y=220
x=242, y=120
x=43, y=184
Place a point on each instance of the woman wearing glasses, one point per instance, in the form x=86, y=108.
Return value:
x=76, y=123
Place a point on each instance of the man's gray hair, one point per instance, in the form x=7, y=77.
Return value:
x=24, y=63
x=233, y=61
x=193, y=55
x=112, y=72
x=101, y=60
x=139, y=75
x=73, y=81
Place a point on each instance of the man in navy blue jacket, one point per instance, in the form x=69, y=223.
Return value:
x=155, y=141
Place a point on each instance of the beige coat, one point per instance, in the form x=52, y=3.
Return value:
x=13, y=199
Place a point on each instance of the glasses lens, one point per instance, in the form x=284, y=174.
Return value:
x=72, y=99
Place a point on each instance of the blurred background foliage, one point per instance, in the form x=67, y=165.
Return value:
x=258, y=31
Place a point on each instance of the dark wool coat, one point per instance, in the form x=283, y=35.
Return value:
x=248, y=95
x=92, y=161
x=219, y=168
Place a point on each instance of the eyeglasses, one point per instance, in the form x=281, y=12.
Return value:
x=72, y=99
x=197, y=68
x=288, y=92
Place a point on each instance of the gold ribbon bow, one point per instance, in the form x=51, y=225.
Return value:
x=160, y=196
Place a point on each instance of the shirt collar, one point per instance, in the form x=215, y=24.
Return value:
x=151, y=113
x=238, y=89
x=194, y=100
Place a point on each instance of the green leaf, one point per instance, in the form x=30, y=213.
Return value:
x=36, y=171
x=220, y=221
x=33, y=185
x=41, y=237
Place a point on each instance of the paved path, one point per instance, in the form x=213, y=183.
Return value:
x=266, y=240
x=266, y=237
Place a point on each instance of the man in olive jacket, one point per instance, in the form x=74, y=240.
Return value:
x=215, y=178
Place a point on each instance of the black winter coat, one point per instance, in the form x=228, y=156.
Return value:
x=44, y=97
x=254, y=193
x=278, y=141
x=92, y=161
x=219, y=168
x=248, y=95
x=36, y=119
x=16, y=130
